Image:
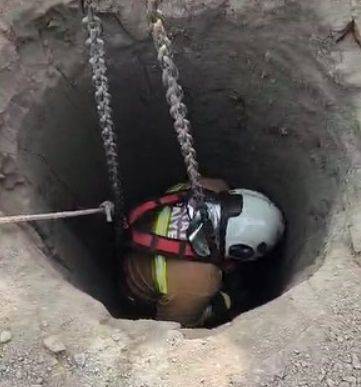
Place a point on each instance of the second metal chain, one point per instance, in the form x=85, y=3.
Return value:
x=178, y=111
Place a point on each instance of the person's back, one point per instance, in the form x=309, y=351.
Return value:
x=180, y=290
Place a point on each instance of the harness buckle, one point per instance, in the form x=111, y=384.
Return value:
x=197, y=237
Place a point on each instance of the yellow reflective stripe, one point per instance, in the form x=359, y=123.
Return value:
x=160, y=262
x=161, y=274
x=227, y=300
x=179, y=187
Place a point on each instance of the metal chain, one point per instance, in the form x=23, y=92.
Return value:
x=178, y=111
x=103, y=103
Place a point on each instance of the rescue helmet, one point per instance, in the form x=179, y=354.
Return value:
x=253, y=231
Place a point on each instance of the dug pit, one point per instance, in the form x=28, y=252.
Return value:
x=263, y=113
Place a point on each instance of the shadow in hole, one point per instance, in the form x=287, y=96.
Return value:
x=253, y=284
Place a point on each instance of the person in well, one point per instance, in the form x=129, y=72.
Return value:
x=169, y=266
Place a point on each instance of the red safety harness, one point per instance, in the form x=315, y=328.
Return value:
x=155, y=244
x=152, y=242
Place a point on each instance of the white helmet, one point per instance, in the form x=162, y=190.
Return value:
x=255, y=230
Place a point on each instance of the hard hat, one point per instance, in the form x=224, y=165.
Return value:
x=255, y=229
x=247, y=223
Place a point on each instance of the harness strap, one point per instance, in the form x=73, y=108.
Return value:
x=152, y=242
x=166, y=200
x=162, y=245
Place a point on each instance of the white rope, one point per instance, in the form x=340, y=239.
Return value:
x=105, y=208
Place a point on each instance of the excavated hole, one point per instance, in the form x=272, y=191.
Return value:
x=259, y=122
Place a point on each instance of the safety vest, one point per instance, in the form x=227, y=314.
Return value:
x=168, y=232
x=168, y=236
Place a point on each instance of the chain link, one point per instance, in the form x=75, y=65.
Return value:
x=103, y=103
x=178, y=111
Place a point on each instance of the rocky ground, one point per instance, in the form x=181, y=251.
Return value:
x=54, y=335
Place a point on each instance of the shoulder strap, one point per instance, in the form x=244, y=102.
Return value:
x=166, y=200
x=157, y=244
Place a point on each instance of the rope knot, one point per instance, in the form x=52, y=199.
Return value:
x=108, y=208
